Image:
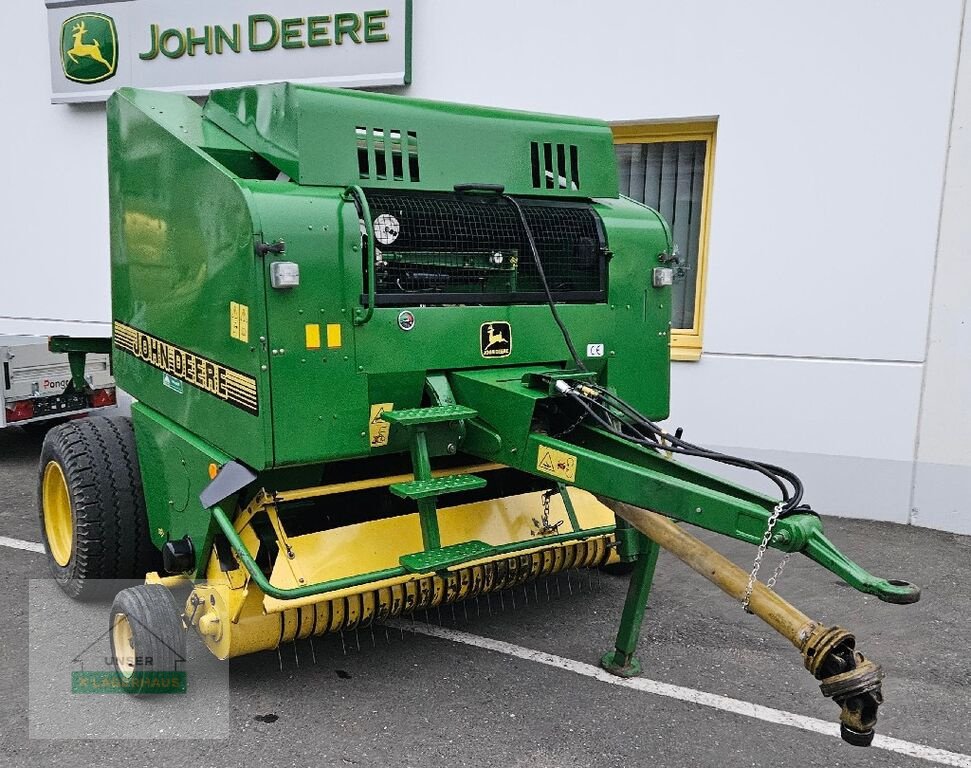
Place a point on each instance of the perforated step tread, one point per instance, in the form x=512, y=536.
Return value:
x=411, y=417
x=439, y=559
x=425, y=489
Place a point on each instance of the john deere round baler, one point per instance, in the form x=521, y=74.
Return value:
x=388, y=355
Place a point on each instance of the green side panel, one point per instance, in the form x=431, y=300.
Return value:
x=181, y=252
x=639, y=359
x=324, y=136
x=319, y=397
x=175, y=470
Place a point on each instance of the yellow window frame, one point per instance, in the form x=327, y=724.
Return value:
x=686, y=343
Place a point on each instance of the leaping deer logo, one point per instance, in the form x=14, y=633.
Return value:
x=495, y=337
x=89, y=48
x=86, y=50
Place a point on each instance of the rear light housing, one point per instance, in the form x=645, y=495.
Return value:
x=20, y=411
x=101, y=398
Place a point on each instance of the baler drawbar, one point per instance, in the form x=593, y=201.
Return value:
x=389, y=355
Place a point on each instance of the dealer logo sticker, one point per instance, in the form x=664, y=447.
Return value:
x=495, y=339
x=89, y=48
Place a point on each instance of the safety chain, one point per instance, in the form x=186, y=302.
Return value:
x=544, y=527
x=766, y=538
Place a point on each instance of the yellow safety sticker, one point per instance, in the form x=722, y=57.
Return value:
x=333, y=335
x=239, y=321
x=378, y=428
x=312, y=334
x=556, y=463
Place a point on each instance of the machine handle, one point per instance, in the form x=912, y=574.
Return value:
x=494, y=189
x=363, y=316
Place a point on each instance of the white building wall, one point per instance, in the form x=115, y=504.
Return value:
x=832, y=127
x=942, y=487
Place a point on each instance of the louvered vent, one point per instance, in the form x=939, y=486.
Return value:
x=387, y=155
x=555, y=166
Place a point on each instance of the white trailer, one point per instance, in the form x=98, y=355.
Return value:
x=34, y=383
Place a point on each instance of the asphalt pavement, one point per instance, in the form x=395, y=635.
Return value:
x=396, y=698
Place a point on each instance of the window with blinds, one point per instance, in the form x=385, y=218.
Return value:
x=668, y=167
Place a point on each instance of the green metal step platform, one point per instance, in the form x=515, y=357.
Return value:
x=426, y=489
x=413, y=417
x=444, y=557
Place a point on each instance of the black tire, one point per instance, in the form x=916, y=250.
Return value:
x=148, y=616
x=109, y=535
x=618, y=569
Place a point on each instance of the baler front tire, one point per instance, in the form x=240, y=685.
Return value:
x=92, y=507
x=147, y=640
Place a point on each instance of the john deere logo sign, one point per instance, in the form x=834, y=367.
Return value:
x=89, y=48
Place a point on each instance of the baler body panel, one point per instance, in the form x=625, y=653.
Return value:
x=182, y=253
x=324, y=137
x=284, y=377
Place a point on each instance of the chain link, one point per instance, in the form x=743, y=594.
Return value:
x=544, y=527
x=763, y=546
x=778, y=571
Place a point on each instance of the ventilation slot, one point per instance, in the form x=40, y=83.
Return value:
x=555, y=166
x=387, y=155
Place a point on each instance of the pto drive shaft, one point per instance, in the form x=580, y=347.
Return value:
x=845, y=675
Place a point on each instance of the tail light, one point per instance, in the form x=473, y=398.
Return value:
x=102, y=397
x=20, y=411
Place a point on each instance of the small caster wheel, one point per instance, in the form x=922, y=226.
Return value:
x=147, y=640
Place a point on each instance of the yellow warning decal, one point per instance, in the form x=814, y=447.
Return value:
x=239, y=321
x=556, y=463
x=333, y=335
x=311, y=332
x=378, y=428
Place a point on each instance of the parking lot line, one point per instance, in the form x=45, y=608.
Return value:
x=27, y=546
x=715, y=701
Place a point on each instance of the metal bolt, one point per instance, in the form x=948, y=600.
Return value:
x=698, y=510
x=451, y=448
x=262, y=367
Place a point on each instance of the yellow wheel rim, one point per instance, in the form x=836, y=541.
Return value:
x=58, y=518
x=123, y=645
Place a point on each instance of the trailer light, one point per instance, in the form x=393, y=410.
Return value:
x=102, y=397
x=20, y=411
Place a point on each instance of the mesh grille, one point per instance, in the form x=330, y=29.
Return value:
x=438, y=248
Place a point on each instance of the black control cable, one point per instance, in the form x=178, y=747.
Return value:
x=500, y=191
x=621, y=419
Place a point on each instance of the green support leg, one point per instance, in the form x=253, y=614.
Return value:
x=427, y=508
x=621, y=661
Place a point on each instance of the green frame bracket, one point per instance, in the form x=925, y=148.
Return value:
x=77, y=350
x=609, y=467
